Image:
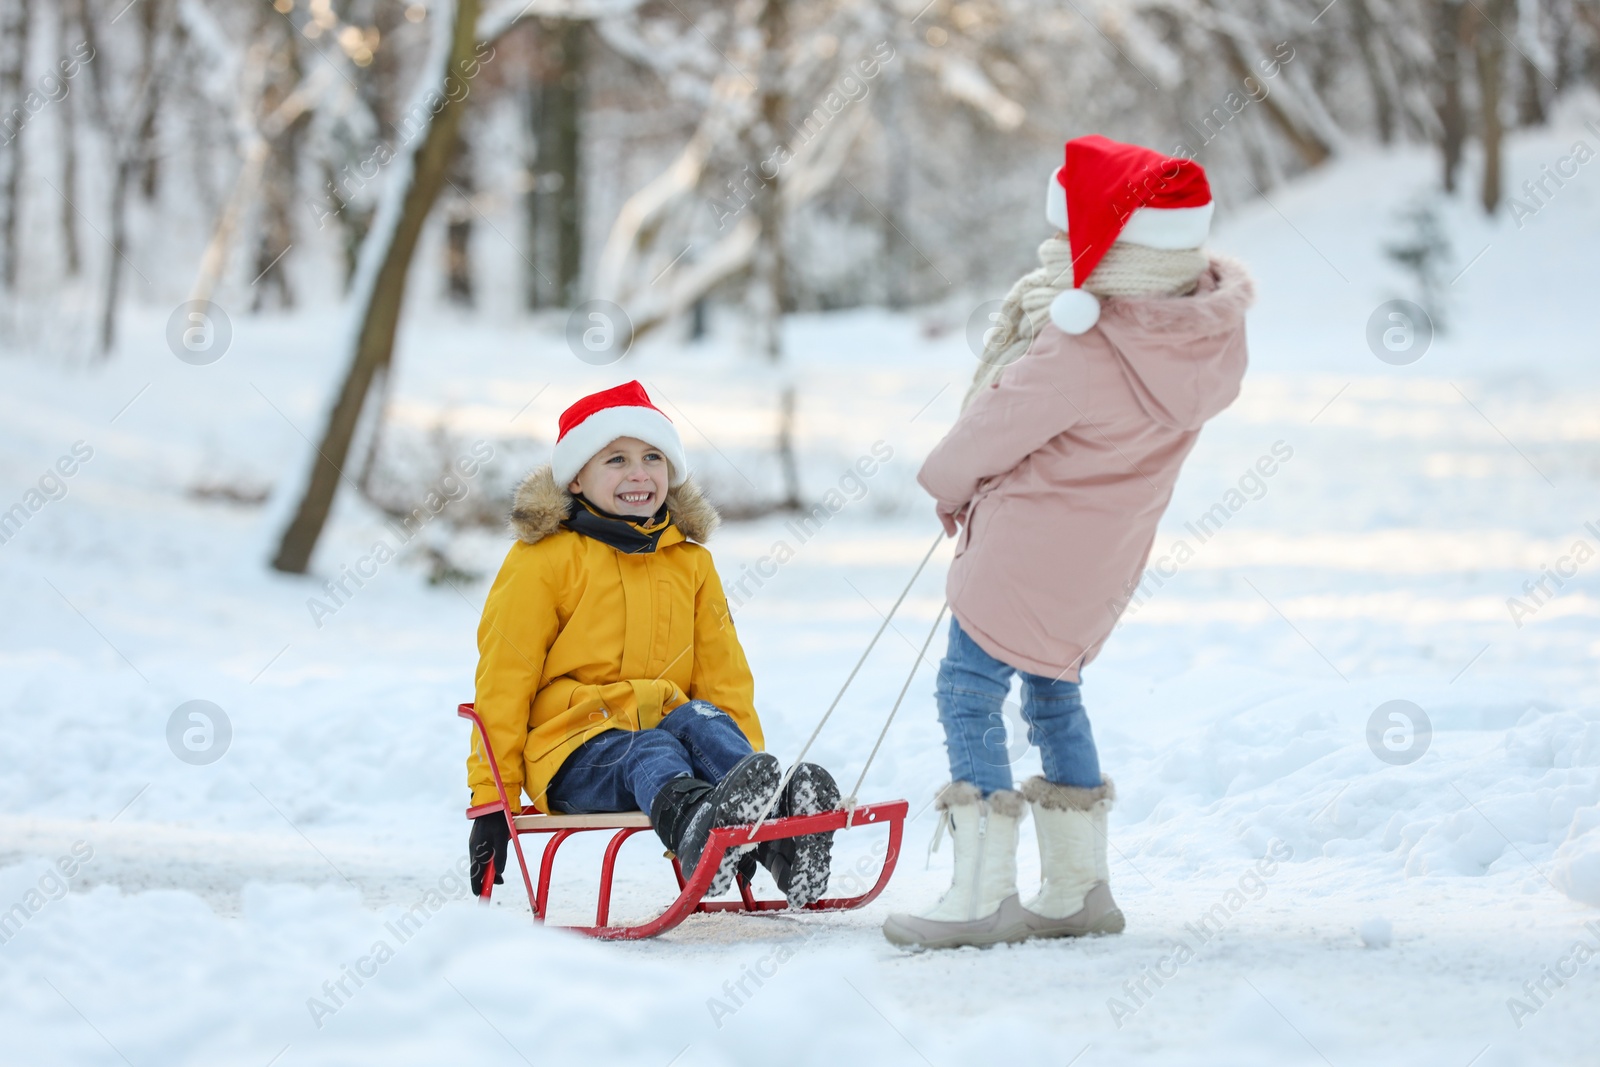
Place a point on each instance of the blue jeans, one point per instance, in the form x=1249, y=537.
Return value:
x=971, y=693
x=623, y=770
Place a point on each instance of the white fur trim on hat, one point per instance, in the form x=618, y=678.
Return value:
x=1168, y=227
x=1153, y=227
x=1055, y=204
x=579, y=444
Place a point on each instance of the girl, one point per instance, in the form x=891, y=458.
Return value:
x=1055, y=475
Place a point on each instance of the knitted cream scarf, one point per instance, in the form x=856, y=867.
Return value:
x=1126, y=270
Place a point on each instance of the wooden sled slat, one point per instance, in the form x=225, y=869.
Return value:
x=538, y=824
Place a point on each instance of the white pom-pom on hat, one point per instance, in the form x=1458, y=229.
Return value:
x=1074, y=311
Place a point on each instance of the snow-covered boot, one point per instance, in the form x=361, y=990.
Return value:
x=1075, y=881
x=800, y=865
x=981, y=906
x=685, y=813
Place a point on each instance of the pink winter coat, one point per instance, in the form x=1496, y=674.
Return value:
x=1060, y=470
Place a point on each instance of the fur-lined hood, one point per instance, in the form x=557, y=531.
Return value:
x=540, y=504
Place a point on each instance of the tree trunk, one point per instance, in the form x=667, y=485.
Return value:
x=786, y=452
x=119, y=238
x=121, y=128
x=1530, y=103
x=535, y=292
x=276, y=235
x=69, y=160
x=355, y=221
x=1570, y=63
x=460, y=287
x=897, y=251
x=563, y=113
x=1383, y=101
x=15, y=42
x=369, y=464
x=145, y=136
x=458, y=261
x=1491, y=54
x=769, y=130
x=1447, y=69
x=380, y=303
x=554, y=203
x=280, y=169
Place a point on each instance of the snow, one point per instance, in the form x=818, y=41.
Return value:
x=1376, y=932
x=1244, y=708
x=1576, y=869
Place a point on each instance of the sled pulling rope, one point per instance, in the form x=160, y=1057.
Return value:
x=890, y=814
x=850, y=801
x=783, y=784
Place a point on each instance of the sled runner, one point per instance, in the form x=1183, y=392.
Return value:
x=625, y=824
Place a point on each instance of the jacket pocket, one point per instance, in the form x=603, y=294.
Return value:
x=975, y=509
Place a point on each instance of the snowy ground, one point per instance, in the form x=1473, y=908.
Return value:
x=1233, y=708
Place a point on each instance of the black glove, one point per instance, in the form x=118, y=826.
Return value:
x=488, y=841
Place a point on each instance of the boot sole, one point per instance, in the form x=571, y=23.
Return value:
x=905, y=937
x=911, y=941
x=812, y=791
x=738, y=801
x=743, y=794
x=1112, y=922
x=902, y=930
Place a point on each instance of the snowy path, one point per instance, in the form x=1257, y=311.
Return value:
x=1373, y=565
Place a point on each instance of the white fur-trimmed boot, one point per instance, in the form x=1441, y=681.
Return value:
x=981, y=906
x=1075, y=881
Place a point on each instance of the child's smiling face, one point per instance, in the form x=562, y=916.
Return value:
x=626, y=477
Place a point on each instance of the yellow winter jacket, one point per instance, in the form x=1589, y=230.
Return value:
x=578, y=638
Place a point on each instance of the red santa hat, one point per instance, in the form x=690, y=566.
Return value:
x=600, y=418
x=1107, y=191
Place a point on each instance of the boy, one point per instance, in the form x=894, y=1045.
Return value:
x=610, y=677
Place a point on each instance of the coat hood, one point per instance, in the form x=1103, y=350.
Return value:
x=1184, y=356
x=540, y=505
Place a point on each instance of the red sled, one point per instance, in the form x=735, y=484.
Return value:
x=890, y=813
